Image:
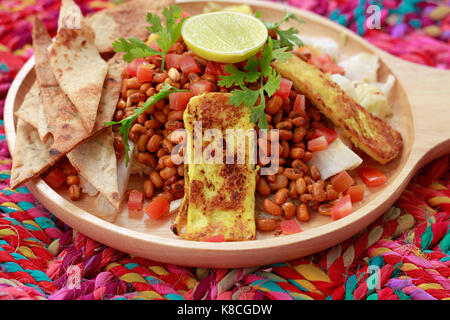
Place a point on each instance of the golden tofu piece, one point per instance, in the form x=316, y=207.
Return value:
x=219, y=197
x=369, y=133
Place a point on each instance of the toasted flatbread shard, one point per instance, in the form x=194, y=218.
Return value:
x=127, y=20
x=63, y=119
x=27, y=110
x=77, y=64
x=95, y=160
x=44, y=132
x=369, y=133
x=219, y=197
x=31, y=155
x=111, y=91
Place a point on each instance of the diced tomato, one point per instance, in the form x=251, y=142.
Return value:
x=133, y=65
x=200, y=87
x=135, y=199
x=342, y=208
x=371, y=176
x=299, y=103
x=318, y=144
x=220, y=69
x=329, y=133
x=217, y=238
x=326, y=64
x=342, y=181
x=173, y=60
x=144, y=73
x=285, y=88
x=55, y=178
x=356, y=192
x=189, y=65
x=179, y=100
x=210, y=69
x=290, y=226
x=158, y=207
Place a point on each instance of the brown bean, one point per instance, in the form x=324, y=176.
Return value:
x=299, y=134
x=180, y=170
x=142, y=142
x=280, y=196
x=167, y=145
x=307, y=156
x=175, y=115
x=70, y=180
x=168, y=161
x=263, y=187
x=159, y=77
x=331, y=193
x=160, y=116
x=266, y=224
x=302, y=212
x=286, y=125
x=318, y=192
x=138, y=129
x=280, y=182
x=298, y=121
x=144, y=87
x=149, y=189
x=168, y=172
x=293, y=173
x=300, y=186
x=285, y=134
x=307, y=198
x=300, y=165
x=121, y=104
x=154, y=143
x=133, y=83
x=152, y=124
x=74, y=192
x=137, y=97
x=297, y=153
x=147, y=159
x=272, y=208
x=156, y=179
x=178, y=186
x=292, y=190
x=150, y=92
x=161, y=152
x=315, y=173
x=288, y=210
x=325, y=209
x=274, y=105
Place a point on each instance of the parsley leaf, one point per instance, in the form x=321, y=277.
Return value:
x=127, y=123
x=134, y=48
x=168, y=36
x=237, y=77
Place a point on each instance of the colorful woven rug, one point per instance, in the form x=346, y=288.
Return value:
x=403, y=255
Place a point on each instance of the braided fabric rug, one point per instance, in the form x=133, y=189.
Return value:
x=403, y=255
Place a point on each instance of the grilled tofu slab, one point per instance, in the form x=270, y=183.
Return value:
x=369, y=133
x=219, y=197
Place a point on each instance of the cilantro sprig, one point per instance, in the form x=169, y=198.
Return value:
x=287, y=38
x=168, y=35
x=127, y=123
x=257, y=70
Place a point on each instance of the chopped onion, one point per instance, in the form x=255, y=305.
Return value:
x=87, y=187
x=337, y=158
x=361, y=67
x=175, y=205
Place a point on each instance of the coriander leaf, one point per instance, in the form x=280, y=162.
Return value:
x=252, y=64
x=244, y=96
x=258, y=115
x=289, y=37
x=126, y=124
x=266, y=58
x=155, y=23
x=281, y=55
x=273, y=82
x=133, y=48
x=237, y=77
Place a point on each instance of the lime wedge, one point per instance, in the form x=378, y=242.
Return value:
x=224, y=36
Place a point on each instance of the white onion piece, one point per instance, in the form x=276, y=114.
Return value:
x=87, y=187
x=175, y=204
x=338, y=157
x=104, y=206
x=123, y=171
x=361, y=67
x=323, y=45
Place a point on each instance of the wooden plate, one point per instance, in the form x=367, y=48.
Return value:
x=421, y=103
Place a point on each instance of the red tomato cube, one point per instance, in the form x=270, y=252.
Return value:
x=285, y=88
x=200, y=87
x=179, y=100
x=135, y=200
x=342, y=181
x=318, y=144
x=342, y=208
x=144, y=73
x=158, y=207
x=371, y=176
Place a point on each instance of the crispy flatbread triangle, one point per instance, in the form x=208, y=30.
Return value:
x=127, y=20
x=95, y=159
x=27, y=110
x=64, y=121
x=77, y=64
x=31, y=155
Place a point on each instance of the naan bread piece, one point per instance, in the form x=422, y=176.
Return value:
x=77, y=64
x=95, y=160
x=111, y=91
x=42, y=127
x=127, y=20
x=27, y=110
x=31, y=155
x=63, y=119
